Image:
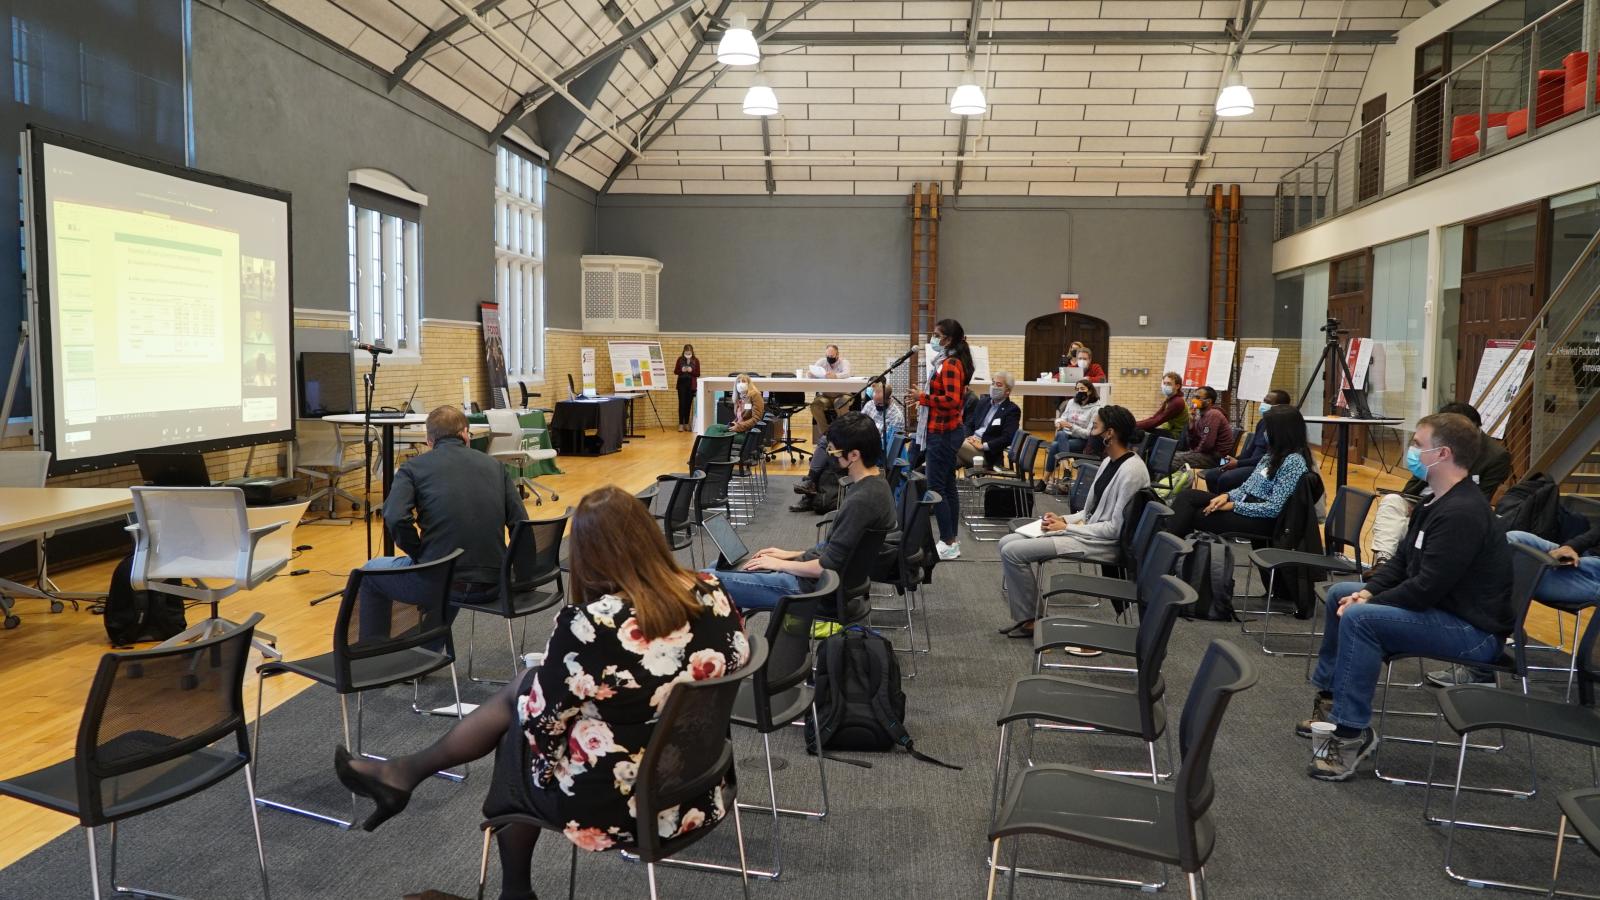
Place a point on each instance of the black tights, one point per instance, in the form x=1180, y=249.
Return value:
x=474, y=737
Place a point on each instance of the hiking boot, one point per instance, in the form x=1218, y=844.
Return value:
x=1342, y=756
x=803, y=506
x=805, y=486
x=1321, y=711
x=1460, y=675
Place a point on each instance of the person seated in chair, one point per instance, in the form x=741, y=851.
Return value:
x=1446, y=592
x=1253, y=507
x=1083, y=358
x=992, y=425
x=748, y=408
x=1074, y=430
x=634, y=624
x=775, y=573
x=884, y=413
x=460, y=498
x=1492, y=468
x=1209, y=434
x=1234, y=471
x=827, y=405
x=1092, y=533
x=1171, y=418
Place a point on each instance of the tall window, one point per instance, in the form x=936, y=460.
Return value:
x=385, y=284
x=519, y=259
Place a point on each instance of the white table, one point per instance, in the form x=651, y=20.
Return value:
x=1050, y=389
x=34, y=512
x=1343, y=423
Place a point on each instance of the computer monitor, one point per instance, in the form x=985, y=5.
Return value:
x=173, y=469
x=327, y=384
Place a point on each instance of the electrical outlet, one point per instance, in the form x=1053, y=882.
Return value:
x=1144, y=320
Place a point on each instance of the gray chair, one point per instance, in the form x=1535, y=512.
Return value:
x=1341, y=535
x=1121, y=590
x=1580, y=808
x=1169, y=823
x=515, y=448
x=145, y=742
x=1164, y=556
x=319, y=454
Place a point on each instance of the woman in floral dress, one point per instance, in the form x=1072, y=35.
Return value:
x=636, y=624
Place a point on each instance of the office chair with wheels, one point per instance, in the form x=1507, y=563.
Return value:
x=319, y=454
x=510, y=444
x=786, y=404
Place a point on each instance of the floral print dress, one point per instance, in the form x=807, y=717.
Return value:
x=591, y=708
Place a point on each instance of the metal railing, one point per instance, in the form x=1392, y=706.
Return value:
x=1541, y=77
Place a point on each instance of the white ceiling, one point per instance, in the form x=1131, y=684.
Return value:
x=871, y=119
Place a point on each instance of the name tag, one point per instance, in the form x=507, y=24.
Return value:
x=1418, y=544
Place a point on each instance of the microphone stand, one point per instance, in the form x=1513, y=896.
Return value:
x=882, y=376
x=370, y=383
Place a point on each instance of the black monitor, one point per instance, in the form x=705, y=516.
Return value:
x=327, y=384
x=173, y=469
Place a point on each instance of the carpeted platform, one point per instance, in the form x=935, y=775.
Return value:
x=902, y=829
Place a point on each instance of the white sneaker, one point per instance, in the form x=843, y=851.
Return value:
x=948, y=551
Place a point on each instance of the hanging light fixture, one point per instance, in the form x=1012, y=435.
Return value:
x=968, y=99
x=1235, y=99
x=759, y=100
x=738, y=45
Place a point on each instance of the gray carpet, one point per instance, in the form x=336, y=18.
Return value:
x=902, y=829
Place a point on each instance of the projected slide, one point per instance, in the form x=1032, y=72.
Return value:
x=169, y=309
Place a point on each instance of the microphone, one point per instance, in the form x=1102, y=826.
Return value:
x=370, y=348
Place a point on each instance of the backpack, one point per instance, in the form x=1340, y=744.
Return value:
x=1532, y=505
x=1007, y=503
x=860, y=705
x=1209, y=570
x=133, y=616
x=826, y=499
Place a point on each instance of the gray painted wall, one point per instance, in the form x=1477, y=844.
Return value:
x=569, y=218
x=816, y=264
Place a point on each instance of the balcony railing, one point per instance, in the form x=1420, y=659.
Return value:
x=1540, y=78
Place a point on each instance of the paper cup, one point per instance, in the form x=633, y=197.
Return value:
x=1321, y=734
x=532, y=660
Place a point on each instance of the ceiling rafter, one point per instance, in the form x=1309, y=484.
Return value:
x=434, y=38
x=1242, y=28
x=1063, y=38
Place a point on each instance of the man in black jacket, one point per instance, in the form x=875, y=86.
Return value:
x=457, y=497
x=991, y=424
x=1445, y=592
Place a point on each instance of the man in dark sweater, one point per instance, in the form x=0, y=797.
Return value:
x=1446, y=591
x=451, y=496
x=775, y=573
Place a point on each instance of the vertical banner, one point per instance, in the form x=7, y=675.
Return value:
x=494, y=353
x=1357, y=358
x=587, y=355
x=1492, y=406
x=1200, y=362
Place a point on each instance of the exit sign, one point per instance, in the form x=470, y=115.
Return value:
x=1069, y=302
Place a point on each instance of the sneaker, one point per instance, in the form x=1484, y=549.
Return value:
x=1460, y=675
x=1343, y=756
x=949, y=551
x=1321, y=711
x=805, y=486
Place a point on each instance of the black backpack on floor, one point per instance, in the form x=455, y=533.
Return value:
x=860, y=705
x=134, y=616
x=1209, y=570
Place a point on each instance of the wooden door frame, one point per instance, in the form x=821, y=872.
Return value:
x=1358, y=440
x=1541, y=244
x=1371, y=127
x=1102, y=355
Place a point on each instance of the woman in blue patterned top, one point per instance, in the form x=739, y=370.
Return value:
x=1252, y=507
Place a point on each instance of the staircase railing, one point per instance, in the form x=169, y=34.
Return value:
x=1541, y=77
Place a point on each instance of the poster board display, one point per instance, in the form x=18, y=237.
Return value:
x=980, y=363
x=1255, y=372
x=1200, y=362
x=1358, y=358
x=1492, y=406
x=494, y=354
x=637, y=366
x=586, y=361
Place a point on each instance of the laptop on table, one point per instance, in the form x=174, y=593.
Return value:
x=402, y=412
x=173, y=469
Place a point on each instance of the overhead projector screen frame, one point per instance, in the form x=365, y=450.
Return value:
x=47, y=417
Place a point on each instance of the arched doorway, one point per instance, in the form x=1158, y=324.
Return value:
x=1046, y=338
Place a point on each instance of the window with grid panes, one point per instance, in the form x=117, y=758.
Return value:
x=385, y=236
x=519, y=260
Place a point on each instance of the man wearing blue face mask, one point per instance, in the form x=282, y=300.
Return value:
x=992, y=424
x=1446, y=592
x=1234, y=472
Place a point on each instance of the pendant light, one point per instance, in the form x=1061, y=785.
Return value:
x=1235, y=99
x=968, y=99
x=738, y=45
x=759, y=100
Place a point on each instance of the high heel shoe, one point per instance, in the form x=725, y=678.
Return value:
x=389, y=800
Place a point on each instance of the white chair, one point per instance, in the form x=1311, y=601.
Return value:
x=24, y=468
x=509, y=443
x=319, y=453
x=201, y=538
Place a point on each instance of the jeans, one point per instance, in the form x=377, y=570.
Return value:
x=1571, y=587
x=1220, y=480
x=378, y=594
x=818, y=460
x=1064, y=443
x=941, y=470
x=1353, y=647
x=757, y=591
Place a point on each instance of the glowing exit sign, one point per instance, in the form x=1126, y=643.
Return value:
x=1069, y=302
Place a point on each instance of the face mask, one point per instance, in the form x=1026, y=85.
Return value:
x=1084, y=363
x=870, y=393
x=832, y=360
x=688, y=355
x=744, y=386
x=1082, y=396
x=1262, y=409
x=1415, y=465
x=1166, y=390
x=997, y=393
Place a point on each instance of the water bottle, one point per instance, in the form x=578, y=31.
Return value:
x=1061, y=368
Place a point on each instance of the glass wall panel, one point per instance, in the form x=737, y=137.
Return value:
x=1399, y=297
x=1313, y=315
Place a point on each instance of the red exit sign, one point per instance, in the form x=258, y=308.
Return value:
x=1069, y=302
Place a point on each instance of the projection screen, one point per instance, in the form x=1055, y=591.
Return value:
x=163, y=305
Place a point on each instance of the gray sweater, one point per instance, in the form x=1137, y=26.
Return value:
x=1094, y=531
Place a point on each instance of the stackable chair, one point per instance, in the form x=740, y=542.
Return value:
x=1158, y=450
x=512, y=445
x=1580, y=808
x=749, y=485
x=530, y=582
x=904, y=570
x=1341, y=542
x=24, y=468
x=1164, y=555
x=993, y=468
x=678, y=521
x=378, y=643
x=1589, y=509
x=1120, y=588
x=319, y=454
x=710, y=448
x=1018, y=483
x=201, y=538
x=689, y=754
x=145, y=742
x=852, y=602
x=1471, y=708
x=1170, y=823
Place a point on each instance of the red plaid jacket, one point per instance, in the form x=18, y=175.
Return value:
x=944, y=397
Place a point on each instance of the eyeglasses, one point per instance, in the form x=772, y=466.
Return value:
x=836, y=453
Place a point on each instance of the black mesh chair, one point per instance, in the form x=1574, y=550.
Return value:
x=713, y=495
x=1121, y=588
x=145, y=741
x=678, y=520
x=1018, y=484
x=689, y=754
x=648, y=497
x=1341, y=536
x=852, y=601
x=1471, y=708
x=530, y=582
x=390, y=630
x=749, y=485
x=1080, y=705
x=1158, y=453
x=1163, y=556
x=1082, y=481
x=1171, y=824
x=1580, y=808
x=785, y=404
x=709, y=448
x=902, y=569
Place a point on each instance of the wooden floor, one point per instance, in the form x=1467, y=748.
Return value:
x=46, y=664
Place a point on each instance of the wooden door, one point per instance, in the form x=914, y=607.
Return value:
x=1349, y=301
x=1369, y=159
x=1044, y=341
x=1427, y=130
x=1495, y=305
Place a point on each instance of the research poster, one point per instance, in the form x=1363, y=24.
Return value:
x=1200, y=362
x=1255, y=372
x=1491, y=405
x=637, y=366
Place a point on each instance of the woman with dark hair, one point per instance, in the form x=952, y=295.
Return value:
x=1252, y=507
x=635, y=624
x=688, y=370
x=1074, y=421
x=941, y=429
x=1092, y=533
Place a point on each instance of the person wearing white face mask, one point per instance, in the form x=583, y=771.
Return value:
x=748, y=408
x=993, y=424
x=1235, y=471
x=688, y=372
x=1171, y=418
